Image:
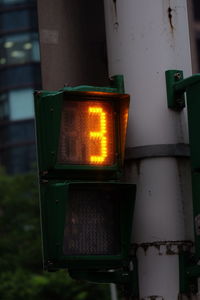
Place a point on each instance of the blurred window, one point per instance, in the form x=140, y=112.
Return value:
x=19, y=49
x=21, y=104
x=18, y=19
x=20, y=76
x=17, y=105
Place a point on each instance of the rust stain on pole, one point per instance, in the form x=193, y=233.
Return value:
x=170, y=18
x=116, y=24
x=115, y=6
x=165, y=247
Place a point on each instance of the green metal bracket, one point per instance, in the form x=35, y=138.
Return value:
x=127, y=279
x=177, y=86
x=117, y=82
x=188, y=274
x=175, y=98
x=118, y=277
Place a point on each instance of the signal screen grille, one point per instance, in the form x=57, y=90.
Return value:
x=92, y=222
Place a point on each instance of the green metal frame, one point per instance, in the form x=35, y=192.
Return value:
x=176, y=87
x=54, y=202
x=48, y=107
x=188, y=274
x=126, y=277
x=176, y=99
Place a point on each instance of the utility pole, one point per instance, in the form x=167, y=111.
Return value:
x=72, y=43
x=144, y=39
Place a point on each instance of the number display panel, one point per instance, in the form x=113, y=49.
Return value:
x=87, y=135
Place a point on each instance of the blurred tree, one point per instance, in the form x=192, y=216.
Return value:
x=21, y=275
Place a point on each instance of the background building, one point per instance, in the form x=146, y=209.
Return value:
x=19, y=76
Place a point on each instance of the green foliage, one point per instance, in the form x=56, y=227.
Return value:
x=21, y=275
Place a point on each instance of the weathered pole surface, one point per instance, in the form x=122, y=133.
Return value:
x=144, y=39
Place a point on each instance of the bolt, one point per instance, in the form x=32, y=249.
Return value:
x=180, y=102
x=37, y=93
x=177, y=76
x=116, y=25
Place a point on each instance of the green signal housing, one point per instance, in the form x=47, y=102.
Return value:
x=81, y=131
x=86, y=225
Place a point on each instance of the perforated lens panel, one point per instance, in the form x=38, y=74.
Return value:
x=87, y=133
x=92, y=222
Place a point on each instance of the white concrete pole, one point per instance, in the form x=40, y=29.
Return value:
x=144, y=39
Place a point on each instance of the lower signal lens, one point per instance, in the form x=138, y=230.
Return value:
x=92, y=224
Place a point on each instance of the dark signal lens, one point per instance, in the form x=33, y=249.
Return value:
x=92, y=225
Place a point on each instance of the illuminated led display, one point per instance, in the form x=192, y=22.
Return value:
x=124, y=122
x=87, y=133
x=99, y=136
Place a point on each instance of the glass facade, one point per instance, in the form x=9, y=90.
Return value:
x=17, y=19
x=19, y=76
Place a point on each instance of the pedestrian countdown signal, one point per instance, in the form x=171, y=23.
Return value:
x=81, y=130
x=86, y=212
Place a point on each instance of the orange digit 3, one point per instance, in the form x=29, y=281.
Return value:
x=100, y=135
